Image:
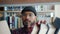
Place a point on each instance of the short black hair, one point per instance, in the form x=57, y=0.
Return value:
x=29, y=8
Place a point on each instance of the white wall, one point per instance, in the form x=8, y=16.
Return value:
x=57, y=10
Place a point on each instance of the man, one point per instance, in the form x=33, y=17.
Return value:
x=28, y=17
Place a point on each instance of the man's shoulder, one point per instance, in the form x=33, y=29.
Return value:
x=19, y=30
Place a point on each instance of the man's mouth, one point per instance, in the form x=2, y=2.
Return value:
x=27, y=23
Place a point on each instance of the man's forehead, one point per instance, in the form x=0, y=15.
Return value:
x=28, y=12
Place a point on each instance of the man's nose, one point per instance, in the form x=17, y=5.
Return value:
x=27, y=17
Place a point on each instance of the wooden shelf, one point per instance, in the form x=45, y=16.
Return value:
x=12, y=11
x=1, y=11
x=48, y=11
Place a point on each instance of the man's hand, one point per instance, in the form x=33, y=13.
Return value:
x=36, y=28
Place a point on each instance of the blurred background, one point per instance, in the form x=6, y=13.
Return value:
x=10, y=10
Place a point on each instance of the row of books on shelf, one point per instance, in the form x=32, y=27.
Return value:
x=37, y=7
x=14, y=22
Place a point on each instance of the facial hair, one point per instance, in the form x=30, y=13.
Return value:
x=26, y=24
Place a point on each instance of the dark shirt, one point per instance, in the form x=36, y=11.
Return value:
x=22, y=31
x=25, y=30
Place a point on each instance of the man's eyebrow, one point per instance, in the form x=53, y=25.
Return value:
x=30, y=13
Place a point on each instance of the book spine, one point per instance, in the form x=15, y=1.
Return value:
x=10, y=22
x=10, y=26
x=13, y=22
x=19, y=23
x=16, y=21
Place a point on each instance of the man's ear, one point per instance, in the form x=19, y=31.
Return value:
x=21, y=16
x=35, y=18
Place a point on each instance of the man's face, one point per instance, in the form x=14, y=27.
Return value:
x=28, y=18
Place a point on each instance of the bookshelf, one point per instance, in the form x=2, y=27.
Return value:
x=12, y=14
x=46, y=12
x=1, y=13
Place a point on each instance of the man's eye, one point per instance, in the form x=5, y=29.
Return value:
x=31, y=15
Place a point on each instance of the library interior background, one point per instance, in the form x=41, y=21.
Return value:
x=50, y=12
